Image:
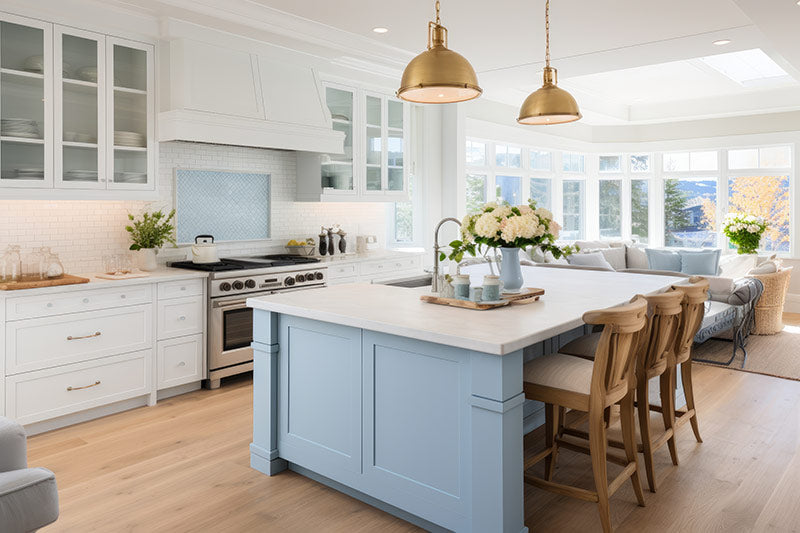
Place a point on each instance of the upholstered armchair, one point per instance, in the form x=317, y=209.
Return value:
x=28, y=496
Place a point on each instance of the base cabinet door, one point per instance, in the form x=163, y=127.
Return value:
x=44, y=394
x=180, y=361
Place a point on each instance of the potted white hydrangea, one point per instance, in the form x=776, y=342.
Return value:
x=744, y=231
x=508, y=228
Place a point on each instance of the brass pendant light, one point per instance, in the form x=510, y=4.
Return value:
x=549, y=104
x=438, y=75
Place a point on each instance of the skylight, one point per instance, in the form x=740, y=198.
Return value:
x=747, y=67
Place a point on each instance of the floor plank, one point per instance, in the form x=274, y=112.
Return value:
x=184, y=466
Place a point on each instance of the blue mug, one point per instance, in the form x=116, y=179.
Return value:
x=491, y=288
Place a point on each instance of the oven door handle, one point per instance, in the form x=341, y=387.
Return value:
x=237, y=304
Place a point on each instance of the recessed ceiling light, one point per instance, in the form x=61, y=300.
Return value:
x=722, y=42
x=380, y=29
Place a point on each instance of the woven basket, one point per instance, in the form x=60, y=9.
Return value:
x=769, y=309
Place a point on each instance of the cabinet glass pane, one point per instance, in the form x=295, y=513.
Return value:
x=80, y=164
x=395, y=179
x=373, y=178
x=374, y=111
x=79, y=59
x=395, y=148
x=340, y=104
x=130, y=167
x=395, y=114
x=337, y=176
x=22, y=48
x=130, y=68
x=374, y=146
x=337, y=173
x=21, y=161
x=80, y=113
x=22, y=106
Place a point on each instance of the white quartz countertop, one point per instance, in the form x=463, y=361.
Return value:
x=399, y=311
x=368, y=256
x=163, y=274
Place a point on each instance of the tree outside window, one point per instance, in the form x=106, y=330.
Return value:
x=476, y=192
x=639, y=209
x=610, y=208
x=690, y=212
x=767, y=197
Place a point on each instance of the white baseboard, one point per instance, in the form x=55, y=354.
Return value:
x=792, y=303
x=84, y=416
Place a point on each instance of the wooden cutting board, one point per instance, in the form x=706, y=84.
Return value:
x=30, y=283
x=527, y=295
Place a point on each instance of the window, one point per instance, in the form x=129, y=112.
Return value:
x=476, y=192
x=540, y=160
x=640, y=163
x=573, y=191
x=610, y=163
x=509, y=189
x=541, y=192
x=404, y=216
x=610, y=203
x=768, y=197
x=771, y=157
x=476, y=153
x=572, y=162
x=508, y=156
x=690, y=161
x=690, y=212
x=639, y=210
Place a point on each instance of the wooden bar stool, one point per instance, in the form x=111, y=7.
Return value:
x=695, y=294
x=560, y=380
x=653, y=359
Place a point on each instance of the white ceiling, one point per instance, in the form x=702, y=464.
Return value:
x=627, y=61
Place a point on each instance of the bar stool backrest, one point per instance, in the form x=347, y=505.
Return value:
x=695, y=294
x=660, y=335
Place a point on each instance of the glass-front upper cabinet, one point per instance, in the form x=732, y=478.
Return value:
x=25, y=103
x=130, y=127
x=337, y=170
x=80, y=120
x=385, y=145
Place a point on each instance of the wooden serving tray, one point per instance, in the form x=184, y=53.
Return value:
x=527, y=295
x=29, y=283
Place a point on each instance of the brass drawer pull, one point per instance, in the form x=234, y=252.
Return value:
x=96, y=383
x=95, y=334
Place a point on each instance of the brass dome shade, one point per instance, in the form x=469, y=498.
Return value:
x=549, y=104
x=438, y=75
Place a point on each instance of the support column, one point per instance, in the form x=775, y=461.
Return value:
x=497, y=447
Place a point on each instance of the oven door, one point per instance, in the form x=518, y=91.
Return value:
x=230, y=331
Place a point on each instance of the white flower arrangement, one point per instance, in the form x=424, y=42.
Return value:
x=505, y=226
x=744, y=231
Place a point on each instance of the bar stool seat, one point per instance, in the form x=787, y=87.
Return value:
x=584, y=346
x=561, y=372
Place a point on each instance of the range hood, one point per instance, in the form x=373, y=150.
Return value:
x=227, y=96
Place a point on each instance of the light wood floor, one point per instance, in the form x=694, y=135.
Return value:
x=184, y=466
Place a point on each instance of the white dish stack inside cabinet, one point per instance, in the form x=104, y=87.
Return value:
x=180, y=322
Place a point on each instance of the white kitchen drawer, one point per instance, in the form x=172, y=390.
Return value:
x=379, y=268
x=180, y=361
x=77, y=301
x=342, y=281
x=38, y=343
x=179, y=289
x=342, y=271
x=180, y=316
x=60, y=391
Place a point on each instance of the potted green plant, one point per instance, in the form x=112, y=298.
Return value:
x=149, y=232
x=744, y=231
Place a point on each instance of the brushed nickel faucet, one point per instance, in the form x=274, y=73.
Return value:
x=435, y=281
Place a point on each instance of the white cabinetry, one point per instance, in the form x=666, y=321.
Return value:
x=78, y=111
x=370, y=270
x=373, y=166
x=180, y=351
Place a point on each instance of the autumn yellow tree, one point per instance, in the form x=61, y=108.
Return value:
x=763, y=196
x=709, y=220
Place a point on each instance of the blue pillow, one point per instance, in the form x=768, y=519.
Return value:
x=663, y=260
x=700, y=262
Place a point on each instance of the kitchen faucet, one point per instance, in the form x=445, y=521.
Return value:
x=435, y=281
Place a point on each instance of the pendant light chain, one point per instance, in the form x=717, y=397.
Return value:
x=546, y=32
x=438, y=20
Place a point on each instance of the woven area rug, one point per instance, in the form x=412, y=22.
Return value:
x=773, y=355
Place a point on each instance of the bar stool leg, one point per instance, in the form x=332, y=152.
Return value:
x=643, y=396
x=667, y=386
x=686, y=379
x=551, y=425
x=629, y=439
x=597, y=447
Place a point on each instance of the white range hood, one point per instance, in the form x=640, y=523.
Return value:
x=226, y=96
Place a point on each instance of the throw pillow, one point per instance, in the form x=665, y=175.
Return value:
x=594, y=259
x=718, y=286
x=669, y=260
x=767, y=267
x=700, y=262
x=550, y=259
x=615, y=257
x=636, y=257
x=537, y=255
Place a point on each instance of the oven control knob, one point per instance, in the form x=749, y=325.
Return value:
x=238, y=285
x=319, y=275
x=300, y=278
x=250, y=284
x=224, y=286
x=289, y=282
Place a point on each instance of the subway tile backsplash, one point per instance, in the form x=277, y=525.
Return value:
x=81, y=232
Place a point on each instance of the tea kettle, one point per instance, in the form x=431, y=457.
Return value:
x=204, y=250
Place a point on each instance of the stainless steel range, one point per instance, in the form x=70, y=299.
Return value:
x=230, y=321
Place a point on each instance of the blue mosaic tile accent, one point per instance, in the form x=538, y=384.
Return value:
x=231, y=206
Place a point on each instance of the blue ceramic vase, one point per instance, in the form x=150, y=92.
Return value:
x=510, y=271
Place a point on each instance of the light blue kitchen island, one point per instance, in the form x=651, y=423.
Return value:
x=412, y=407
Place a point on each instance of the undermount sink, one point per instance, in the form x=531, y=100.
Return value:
x=416, y=281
